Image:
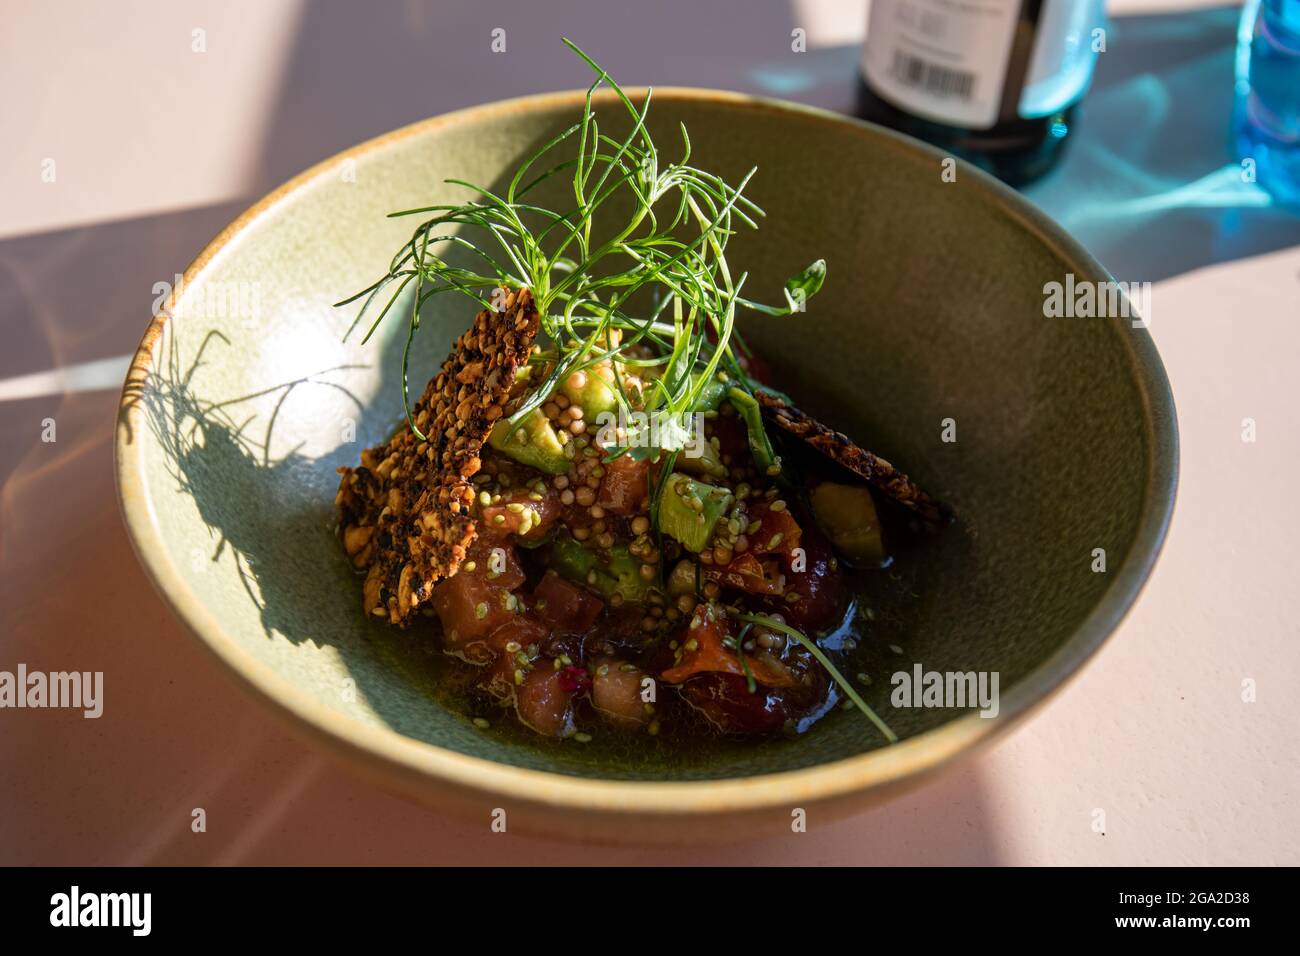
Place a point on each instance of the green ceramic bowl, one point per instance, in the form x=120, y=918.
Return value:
x=244, y=398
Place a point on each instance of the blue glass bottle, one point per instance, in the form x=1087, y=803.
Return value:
x=1267, y=115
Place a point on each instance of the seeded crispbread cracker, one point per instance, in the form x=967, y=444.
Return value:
x=839, y=448
x=407, y=509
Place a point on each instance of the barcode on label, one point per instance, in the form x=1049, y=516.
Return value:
x=932, y=77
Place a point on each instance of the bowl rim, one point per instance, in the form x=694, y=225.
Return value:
x=403, y=759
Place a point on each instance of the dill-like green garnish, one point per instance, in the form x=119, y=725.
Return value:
x=584, y=273
x=750, y=684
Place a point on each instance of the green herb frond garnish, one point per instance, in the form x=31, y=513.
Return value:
x=750, y=684
x=586, y=266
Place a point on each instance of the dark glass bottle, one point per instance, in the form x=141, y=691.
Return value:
x=995, y=82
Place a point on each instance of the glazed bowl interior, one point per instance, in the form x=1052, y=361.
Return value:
x=246, y=399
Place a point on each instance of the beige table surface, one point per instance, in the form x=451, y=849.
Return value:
x=156, y=146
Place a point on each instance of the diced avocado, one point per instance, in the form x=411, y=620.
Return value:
x=689, y=510
x=625, y=573
x=533, y=443
x=711, y=395
x=620, y=575
x=684, y=578
x=702, y=460
x=593, y=389
x=847, y=514
x=571, y=559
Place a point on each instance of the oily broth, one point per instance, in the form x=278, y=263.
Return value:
x=876, y=621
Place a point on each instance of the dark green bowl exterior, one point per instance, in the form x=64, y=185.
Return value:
x=933, y=310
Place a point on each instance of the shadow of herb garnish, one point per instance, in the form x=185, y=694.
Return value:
x=222, y=461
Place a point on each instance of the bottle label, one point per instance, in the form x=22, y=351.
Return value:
x=1064, y=56
x=943, y=60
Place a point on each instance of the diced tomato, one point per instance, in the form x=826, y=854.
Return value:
x=470, y=609
x=725, y=700
x=531, y=512
x=821, y=596
x=777, y=532
x=625, y=485
x=701, y=650
x=746, y=573
x=526, y=632
x=523, y=629
x=565, y=606
x=495, y=561
x=544, y=700
x=616, y=692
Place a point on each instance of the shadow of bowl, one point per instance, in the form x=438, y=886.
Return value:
x=244, y=398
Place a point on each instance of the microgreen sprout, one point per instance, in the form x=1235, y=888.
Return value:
x=585, y=265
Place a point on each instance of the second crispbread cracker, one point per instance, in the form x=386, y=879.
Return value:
x=841, y=449
x=406, y=510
